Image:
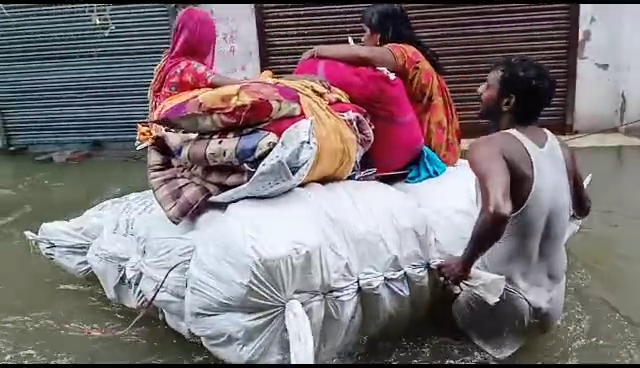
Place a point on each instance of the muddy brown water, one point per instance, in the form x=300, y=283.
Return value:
x=44, y=310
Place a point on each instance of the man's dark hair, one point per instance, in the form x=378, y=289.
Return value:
x=530, y=83
x=392, y=22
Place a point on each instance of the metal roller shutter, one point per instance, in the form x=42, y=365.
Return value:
x=468, y=38
x=77, y=73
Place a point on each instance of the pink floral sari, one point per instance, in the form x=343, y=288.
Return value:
x=398, y=137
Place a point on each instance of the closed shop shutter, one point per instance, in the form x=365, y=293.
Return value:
x=78, y=73
x=468, y=39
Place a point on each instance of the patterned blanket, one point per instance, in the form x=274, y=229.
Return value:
x=256, y=139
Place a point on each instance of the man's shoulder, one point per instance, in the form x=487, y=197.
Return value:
x=493, y=140
x=488, y=147
x=498, y=145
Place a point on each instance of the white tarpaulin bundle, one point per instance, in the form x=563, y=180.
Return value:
x=296, y=278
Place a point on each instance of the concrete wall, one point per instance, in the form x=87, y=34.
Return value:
x=608, y=74
x=237, y=48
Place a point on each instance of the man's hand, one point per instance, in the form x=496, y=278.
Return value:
x=454, y=270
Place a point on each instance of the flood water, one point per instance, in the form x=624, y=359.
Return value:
x=44, y=310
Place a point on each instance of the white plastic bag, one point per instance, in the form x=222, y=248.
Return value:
x=354, y=254
x=114, y=256
x=346, y=260
x=67, y=242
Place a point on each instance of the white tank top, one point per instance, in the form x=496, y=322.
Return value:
x=531, y=254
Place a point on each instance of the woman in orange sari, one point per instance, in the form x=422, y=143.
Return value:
x=390, y=42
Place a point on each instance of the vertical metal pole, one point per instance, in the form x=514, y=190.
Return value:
x=173, y=13
x=572, y=67
x=262, y=46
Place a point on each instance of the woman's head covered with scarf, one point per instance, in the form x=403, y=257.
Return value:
x=194, y=39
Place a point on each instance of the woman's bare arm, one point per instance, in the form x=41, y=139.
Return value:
x=216, y=80
x=356, y=55
x=312, y=78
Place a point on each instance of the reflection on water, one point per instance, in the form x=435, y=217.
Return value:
x=44, y=312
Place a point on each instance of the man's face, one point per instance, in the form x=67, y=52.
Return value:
x=490, y=102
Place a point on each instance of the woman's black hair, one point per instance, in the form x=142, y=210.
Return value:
x=393, y=24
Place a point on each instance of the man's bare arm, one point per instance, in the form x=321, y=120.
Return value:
x=491, y=169
x=580, y=199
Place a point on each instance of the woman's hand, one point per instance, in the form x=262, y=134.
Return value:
x=310, y=54
x=312, y=78
x=321, y=81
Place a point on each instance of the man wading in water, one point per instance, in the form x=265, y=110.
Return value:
x=529, y=184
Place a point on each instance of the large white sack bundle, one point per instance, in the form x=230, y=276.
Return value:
x=293, y=278
x=317, y=247
x=450, y=204
x=67, y=242
x=353, y=254
x=114, y=256
x=129, y=244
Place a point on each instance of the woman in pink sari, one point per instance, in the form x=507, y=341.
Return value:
x=188, y=63
x=390, y=42
x=398, y=140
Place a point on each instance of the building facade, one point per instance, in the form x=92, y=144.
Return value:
x=79, y=73
x=468, y=39
x=608, y=72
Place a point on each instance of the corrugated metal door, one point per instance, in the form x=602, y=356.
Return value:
x=468, y=39
x=77, y=73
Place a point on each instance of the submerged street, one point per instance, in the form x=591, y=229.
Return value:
x=44, y=311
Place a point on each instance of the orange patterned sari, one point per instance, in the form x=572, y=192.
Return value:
x=431, y=100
